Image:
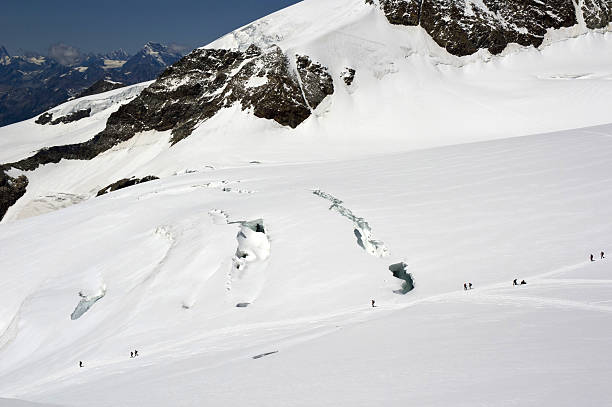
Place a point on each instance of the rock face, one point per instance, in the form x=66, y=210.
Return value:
x=194, y=90
x=69, y=118
x=463, y=27
x=11, y=189
x=597, y=13
x=124, y=183
x=44, y=118
x=207, y=80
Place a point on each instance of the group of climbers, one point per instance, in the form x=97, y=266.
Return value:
x=133, y=354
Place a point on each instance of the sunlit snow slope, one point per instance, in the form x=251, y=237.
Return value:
x=165, y=256
x=244, y=275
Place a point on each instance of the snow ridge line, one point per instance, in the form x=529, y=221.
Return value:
x=12, y=328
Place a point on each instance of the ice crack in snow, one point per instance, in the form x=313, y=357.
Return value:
x=87, y=301
x=362, y=231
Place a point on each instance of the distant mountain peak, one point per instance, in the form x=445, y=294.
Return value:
x=71, y=73
x=5, y=57
x=155, y=46
x=120, y=55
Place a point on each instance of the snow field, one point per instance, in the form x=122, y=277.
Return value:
x=174, y=257
x=532, y=207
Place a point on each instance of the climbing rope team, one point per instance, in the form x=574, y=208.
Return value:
x=601, y=256
x=133, y=354
x=466, y=286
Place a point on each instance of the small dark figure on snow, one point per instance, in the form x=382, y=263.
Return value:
x=80, y=363
x=135, y=353
x=514, y=282
x=373, y=303
x=602, y=255
x=131, y=354
x=523, y=282
x=592, y=259
x=465, y=286
x=470, y=285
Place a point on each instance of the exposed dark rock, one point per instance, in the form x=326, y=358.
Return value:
x=47, y=118
x=124, y=183
x=44, y=118
x=597, y=13
x=464, y=28
x=348, y=76
x=198, y=86
x=402, y=12
x=11, y=189
x=72, y=117
x=103, y=85
x=316, y=82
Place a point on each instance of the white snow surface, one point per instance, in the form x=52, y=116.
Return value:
x=418, y=161
x=530, y=208
x=21, y=140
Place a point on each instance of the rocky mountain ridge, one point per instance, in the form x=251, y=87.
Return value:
x=285, y=86
x=31, y=84
x=465, y=27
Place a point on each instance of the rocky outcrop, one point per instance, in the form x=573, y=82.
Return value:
x=597, y=13
x=316, y=82
x=44, y=118
x=464, y=27
x=11, y=189
x=103, y=85
x=194, y=90
x=207, y=80
x=401, y=12
x=197, y=87
x=124, y=183
x=348, y=76
x=47, y=118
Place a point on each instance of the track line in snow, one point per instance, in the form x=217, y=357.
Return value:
x=543, y=302
x=223, y=186
x=219, y=216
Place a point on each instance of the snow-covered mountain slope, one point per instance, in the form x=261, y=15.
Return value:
x=364, y=86
x=23, y=139
x=296, y=169
x=160, y=267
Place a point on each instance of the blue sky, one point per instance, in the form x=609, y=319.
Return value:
x=101, y=26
